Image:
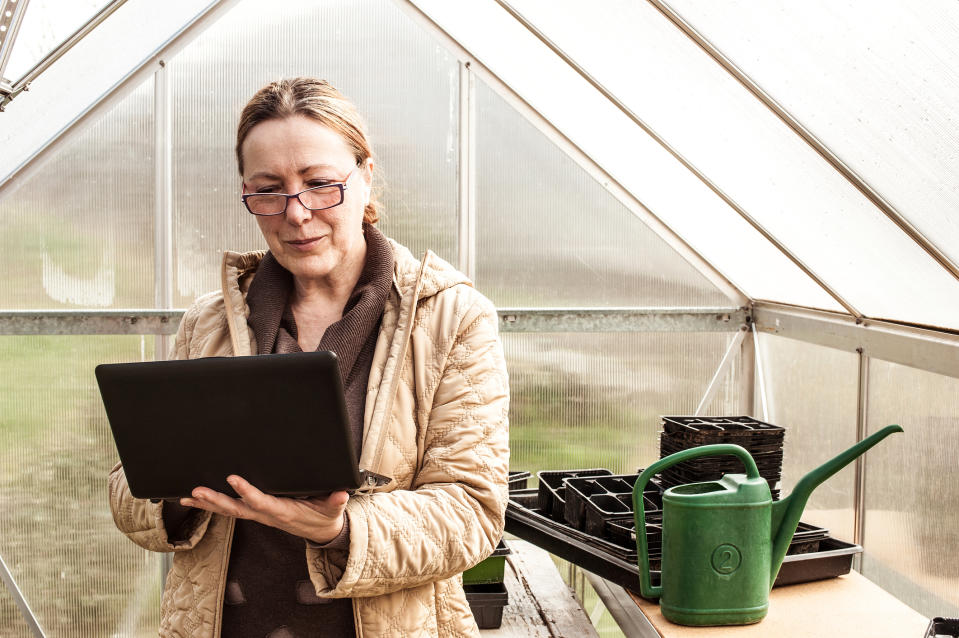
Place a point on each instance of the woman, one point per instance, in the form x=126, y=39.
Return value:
x=425, y=385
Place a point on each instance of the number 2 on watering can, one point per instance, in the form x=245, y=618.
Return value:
x=726, y=559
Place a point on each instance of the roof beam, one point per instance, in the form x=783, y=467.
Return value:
x=915, y=346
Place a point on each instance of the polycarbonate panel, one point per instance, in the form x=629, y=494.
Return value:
x=738, y=143
x=86, y=73
x=912, y=495
x=604, y=133
x=401, y=82
x=45, y=25
x=813, y=392
x=11, y=620
x=548, y=234
x=878, y=87
x=78, y=231
x=582, y=400
x=79, y=574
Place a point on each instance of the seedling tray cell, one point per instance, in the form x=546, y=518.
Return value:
x=518, y=480
x=939, y=627
x=552, y=490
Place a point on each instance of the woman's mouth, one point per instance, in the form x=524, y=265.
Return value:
x=303, y=245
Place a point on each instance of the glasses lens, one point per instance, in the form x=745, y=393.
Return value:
x=321, y=197
x=266, y=204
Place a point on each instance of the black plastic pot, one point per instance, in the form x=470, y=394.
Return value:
x=939, y=627
x=487, y=603
x=590, y=502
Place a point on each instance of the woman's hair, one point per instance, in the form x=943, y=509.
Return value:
x=314, y=99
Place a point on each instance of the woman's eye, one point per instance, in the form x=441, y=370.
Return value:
x=317, y=183
x=266, y=190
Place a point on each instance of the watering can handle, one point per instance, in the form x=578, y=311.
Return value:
x=639, y=508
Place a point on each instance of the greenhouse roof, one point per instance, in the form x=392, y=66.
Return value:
x=799, y=153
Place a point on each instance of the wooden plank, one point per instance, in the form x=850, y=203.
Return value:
x=540, y=605
x=849, y=605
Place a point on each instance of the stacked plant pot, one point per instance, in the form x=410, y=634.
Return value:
x=763, y=441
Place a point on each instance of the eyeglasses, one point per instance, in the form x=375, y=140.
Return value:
x=316, y=198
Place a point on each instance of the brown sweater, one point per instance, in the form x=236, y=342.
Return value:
x=269, y=593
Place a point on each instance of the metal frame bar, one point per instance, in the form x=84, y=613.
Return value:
x=859, y=488
x=624, y=610
x=9, y=39
x=466, y=172
x=89, y=322
x=21, y=602
x=725, y=197
x=585, y=161
x=747, y=377
x=761, y=376
x=931, y=349
x=815, y=143
x=47, y=61
x=165, y=321
x=213, y=12
x=721, y=371
x=621, y=319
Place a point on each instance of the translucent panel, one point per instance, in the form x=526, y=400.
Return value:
x=80, y=576
x=580, y=400
x=86, y=73
x=45, y=25
x=813, y=391
x=403, y=84
x=878, y=87
x=78, y=231
x=11, y=619
x=657, y=179
x=752, y=156
x=550, y=235
x=912, y=496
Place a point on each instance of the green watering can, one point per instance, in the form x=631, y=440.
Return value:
x=724, y=541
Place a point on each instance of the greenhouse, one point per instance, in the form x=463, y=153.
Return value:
x=678, y=209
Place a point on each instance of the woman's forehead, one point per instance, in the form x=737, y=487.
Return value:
x=295, y=143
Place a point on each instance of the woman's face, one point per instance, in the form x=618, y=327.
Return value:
x=295, y=153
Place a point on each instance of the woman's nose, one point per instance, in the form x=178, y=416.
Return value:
x=296, y=212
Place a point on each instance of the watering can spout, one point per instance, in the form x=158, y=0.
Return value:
x=786, y=512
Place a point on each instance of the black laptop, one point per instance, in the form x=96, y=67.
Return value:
x=279, y=421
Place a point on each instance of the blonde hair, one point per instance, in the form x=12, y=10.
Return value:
x=315, y=99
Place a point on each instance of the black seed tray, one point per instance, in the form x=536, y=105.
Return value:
x=834, y=557
x=526, y=501
x=943, y=627
x=518, y=480
x=742, y=430
x=552, y=490
x=591, y=501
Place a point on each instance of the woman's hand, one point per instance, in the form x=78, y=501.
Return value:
x=317, y=519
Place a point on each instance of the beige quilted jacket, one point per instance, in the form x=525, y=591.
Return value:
x=435, y=421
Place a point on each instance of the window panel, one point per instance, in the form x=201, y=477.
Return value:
x=373, y=54
x=79, y=574
x=583, y=400
x=813, y=391
x=548, y=234
x=912, y=497
x=78, y=231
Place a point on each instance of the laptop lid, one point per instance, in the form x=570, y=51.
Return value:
x=279, y=421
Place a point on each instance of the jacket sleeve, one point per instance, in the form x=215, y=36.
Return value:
x=140, y=519
x=453, y=515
